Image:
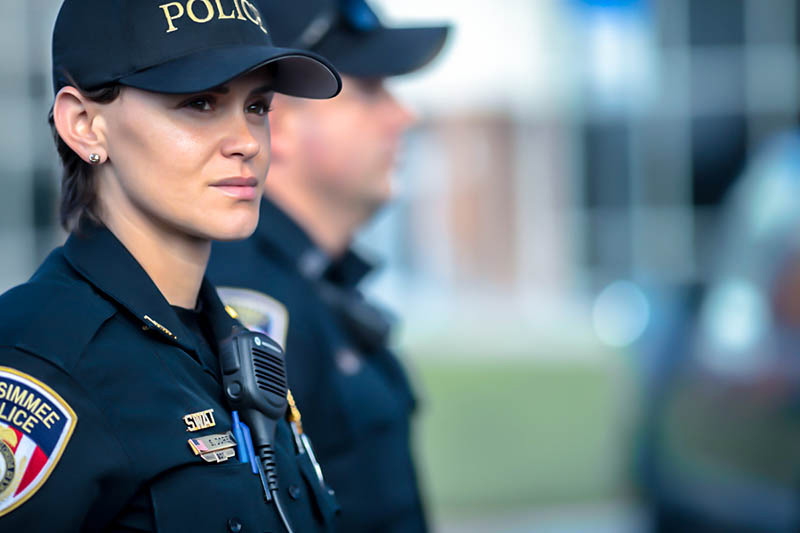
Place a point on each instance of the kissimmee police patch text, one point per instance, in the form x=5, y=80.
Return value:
x=35, y=427
x=25, y=408
x=205, y=11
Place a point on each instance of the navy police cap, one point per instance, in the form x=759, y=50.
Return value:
x=350, y=34
x=180, y=46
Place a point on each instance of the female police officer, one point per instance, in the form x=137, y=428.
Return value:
x=111, y=405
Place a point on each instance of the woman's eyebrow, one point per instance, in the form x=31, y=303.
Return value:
x=263, y=89
x=224, y=89
x=220, y=89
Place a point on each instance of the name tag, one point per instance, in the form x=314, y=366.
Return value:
x=214, y=448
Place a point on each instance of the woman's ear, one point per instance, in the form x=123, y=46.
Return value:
x=75, y=121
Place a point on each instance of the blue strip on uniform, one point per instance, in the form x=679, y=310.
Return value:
x=241, y=445
x=250, y=451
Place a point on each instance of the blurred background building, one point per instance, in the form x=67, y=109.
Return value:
x=572, y=159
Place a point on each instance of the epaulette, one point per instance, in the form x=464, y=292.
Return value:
x=52, y=319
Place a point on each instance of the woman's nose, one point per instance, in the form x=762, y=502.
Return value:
x=242, y=141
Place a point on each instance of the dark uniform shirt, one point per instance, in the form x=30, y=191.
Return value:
x=353, y=393
x=91, y=338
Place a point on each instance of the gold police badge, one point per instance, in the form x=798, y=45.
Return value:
x=8, y=465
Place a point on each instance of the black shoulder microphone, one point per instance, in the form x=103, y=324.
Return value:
x=254, y=380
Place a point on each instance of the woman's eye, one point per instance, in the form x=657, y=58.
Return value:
x=199, y=104
x=259, y=108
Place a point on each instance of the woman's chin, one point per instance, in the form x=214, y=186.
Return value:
x=217, y=223
x=235, y=232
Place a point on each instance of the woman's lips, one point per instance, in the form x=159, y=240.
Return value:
x=240, y=188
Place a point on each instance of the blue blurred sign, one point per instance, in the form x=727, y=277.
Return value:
x=617, y=38
x=602, y=4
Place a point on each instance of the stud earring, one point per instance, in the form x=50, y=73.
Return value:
x=94, y=158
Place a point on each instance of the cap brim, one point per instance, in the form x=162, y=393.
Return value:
x=383, y=52
x=297, y=72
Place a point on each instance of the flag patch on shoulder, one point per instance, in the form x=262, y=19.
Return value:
x=35, y=426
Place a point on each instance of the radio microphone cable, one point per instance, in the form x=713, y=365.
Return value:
x=254, y=381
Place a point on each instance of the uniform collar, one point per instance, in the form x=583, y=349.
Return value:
x=279, y=232
x=105, y=262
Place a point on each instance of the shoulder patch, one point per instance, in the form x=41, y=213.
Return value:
x=258, y=312
x=35, y=426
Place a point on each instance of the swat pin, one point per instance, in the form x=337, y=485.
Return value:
x=200, y=420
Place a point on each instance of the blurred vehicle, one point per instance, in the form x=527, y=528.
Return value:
x=719, y=448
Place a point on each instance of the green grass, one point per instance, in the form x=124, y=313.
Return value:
x=515, y=433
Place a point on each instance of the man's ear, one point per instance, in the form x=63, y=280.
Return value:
x=77, y=124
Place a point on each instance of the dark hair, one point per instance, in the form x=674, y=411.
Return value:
x=78, y=189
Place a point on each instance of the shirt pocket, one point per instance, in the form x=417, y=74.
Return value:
x=212, y=497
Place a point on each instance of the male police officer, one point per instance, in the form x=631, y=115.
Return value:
x=296, y=278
